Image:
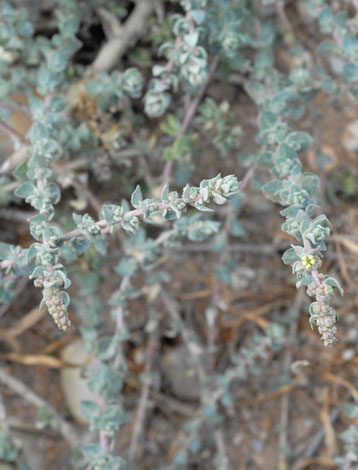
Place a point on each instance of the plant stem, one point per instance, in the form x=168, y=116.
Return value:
x=140, y=416
x=104, y=439
x=189, y=115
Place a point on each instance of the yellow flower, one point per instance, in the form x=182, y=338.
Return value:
x=308, y=262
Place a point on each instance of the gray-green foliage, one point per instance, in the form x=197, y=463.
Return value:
x=350, y=438
x=220, y=125
x=204, y=35
x=8, y=451
x=186, y=59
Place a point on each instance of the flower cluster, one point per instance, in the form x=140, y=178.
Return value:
x=308, y=262
x=322, y=314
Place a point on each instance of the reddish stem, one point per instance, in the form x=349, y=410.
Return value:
x=189, y=115
x=104, y=439
x=140, y=416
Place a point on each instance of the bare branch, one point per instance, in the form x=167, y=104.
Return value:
x=125, y=36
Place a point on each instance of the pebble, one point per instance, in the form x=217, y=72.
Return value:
x=74, y=386
x=179, y=373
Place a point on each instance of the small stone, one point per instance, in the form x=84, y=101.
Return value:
x=348, y=354
x=350, y=136
x=179, y=373
x=74, y=386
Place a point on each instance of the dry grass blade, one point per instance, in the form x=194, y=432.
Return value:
x=322, y=461
x=277, y=393
x=24, y=324
x=351, y=245
x=330, y=435
x=196, y=295
x=58, y=344
x=34, y=360
x=253, y=314
x=343, y=267
x=340, y=381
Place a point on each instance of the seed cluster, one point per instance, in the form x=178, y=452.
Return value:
x=54, y=301
x=322, y=314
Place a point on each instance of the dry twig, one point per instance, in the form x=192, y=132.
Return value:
x=287, y=361
x=123, y=36
x=66, y=429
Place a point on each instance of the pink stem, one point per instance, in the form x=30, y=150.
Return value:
x=189, y=115
x=139, y=421
x=104, y=439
